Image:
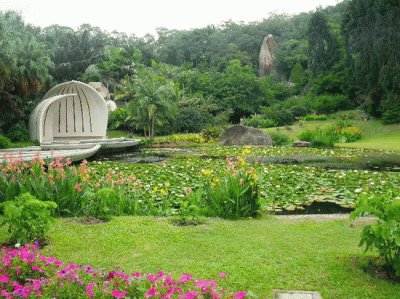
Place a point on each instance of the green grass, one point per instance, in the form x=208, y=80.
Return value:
x=376, y=135
x=117, y=134
x=258, y=255
x=390, y=141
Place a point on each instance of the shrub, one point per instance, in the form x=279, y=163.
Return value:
x=348, y=115
x=191, y=137
x=342, y=131
x=258, y=121
x=28, y=218
x=5, y=142
x=314, y=117
x=328, y=83
x=318, y=137
x=282, y=117
x=189, y=212
x=279, y=138
x=298, y=74
x=191, y=120
x=384, y=233
x=328, y=103
x=298, y=110
x=349, y=134
x=391, y=110
x=18, y=133
x=101, y=203
x=211, y=133
x=117, y=119
x=322, y=140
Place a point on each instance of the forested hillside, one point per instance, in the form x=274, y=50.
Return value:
x=335, y=58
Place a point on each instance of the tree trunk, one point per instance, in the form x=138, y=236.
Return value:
x=152, y=127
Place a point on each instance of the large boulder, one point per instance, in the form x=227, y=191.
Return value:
x=242, y=135
x=266, y=55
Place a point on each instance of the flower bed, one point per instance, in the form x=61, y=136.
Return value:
x=26, y=273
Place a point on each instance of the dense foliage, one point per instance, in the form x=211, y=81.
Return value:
x=384, y=234
x=104, y=189
x=27, y=218
x=330, y=52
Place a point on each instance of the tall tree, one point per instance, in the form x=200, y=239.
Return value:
x=154, y=101
x=323, y=48
x=24, y=69
x=372, y=41
x=73, y=51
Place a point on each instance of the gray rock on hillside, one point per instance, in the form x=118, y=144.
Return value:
x=242, y=135
x=266, y=55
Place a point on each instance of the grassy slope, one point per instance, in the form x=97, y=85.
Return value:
x=375, y=134
x=258, y=255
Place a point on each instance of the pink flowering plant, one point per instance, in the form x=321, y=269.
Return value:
x=65, y=184
x=234, y=195
x=26, y=273
x=56, y=181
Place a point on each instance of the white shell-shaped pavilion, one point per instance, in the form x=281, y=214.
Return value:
x=70, y=111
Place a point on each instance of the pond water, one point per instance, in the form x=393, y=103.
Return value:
x=376, y=162
x=327, y=183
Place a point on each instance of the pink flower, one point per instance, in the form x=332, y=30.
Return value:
x=90, y=293
x=240, y=295
x=37, y=268
x=4, y=278
x=222, y=275
x=185, y=278
x=168, y=294
x=91, y=285
x=205, y=284
x=152, y=292
x=118, y=294
x=78, y=187
x=5, y=293
x=189, y=295
x=152, y=278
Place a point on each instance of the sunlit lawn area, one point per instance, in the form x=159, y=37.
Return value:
x=258, y=255
x=375, y=134
x=380, y=142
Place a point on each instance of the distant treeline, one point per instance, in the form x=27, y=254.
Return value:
x=339, y=57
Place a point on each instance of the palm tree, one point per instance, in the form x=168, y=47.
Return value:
x=154, y=101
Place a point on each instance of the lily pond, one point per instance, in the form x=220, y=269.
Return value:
x=292, y=180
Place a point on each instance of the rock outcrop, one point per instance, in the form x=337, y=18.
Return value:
x=266, y=55
x=242, y=135
x=301, y=143
x=103, y=91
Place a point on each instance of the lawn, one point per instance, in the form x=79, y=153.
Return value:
x=389, y=141
x=376, y=135
x=258, y=255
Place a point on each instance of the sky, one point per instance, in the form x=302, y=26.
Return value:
x=141, y=17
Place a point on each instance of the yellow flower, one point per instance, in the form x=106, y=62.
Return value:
x=241, y=161
x=246, y=151
x=206, y=172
